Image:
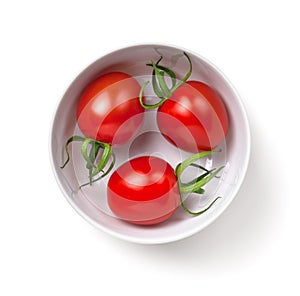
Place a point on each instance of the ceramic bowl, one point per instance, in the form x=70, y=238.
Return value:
x=91, y=201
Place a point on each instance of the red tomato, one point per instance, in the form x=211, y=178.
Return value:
x=194, y=118
x=143, y=191
x=109, y=110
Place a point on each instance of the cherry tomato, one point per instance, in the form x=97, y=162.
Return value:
x=143, y=191
x=109, y=110
x=194, y=118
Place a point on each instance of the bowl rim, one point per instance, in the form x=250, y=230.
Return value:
x=186, y=233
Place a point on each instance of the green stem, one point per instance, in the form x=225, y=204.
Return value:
x=70, y=140
x=200, y=212
x=189, y=161
x=105, y=173
x=199, y=167
x=154, y=82
x=162, y=83
x=107, y=151
x=186, y=77
x=90, y=158
x=197, y=179
x=84, y=152
x=166, y=70
x=148, y=106
x=199, y=183
x=93, y=153
x=155, y=86
x=195, y=186
x=161, y=89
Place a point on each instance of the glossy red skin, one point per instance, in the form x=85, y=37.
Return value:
x=109, y=109
x=194, y=118
x=143, y=191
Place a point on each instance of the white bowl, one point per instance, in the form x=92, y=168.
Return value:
x=90, y=202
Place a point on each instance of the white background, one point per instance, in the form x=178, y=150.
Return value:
x=48, y=249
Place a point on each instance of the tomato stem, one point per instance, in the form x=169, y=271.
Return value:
x=72, y=139
x=162, y=82
x=104, y=172
x=159, y=84
x=93, y=154
x=155, y=86
x=200, y=212
x=148, y=106
x=94, y=167
x=195, y=185
x=186, y=77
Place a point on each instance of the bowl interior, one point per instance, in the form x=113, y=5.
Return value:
x=90, y=201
